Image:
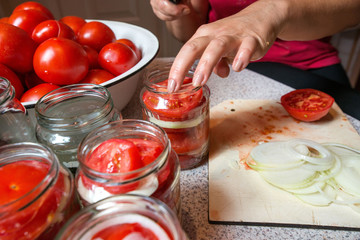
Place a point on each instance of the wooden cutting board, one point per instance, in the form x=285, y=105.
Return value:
x=237, y=194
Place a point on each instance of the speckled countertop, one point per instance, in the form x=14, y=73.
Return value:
x=194, y=183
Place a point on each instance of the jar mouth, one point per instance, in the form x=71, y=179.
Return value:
x=61, y=107
x=30, y=152
x=159, y=73
x=6, y=90
x=97, y=216
x=123, y=129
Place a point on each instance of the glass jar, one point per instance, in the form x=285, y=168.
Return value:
x=37, y=195
x=14, y=120
x=128, y=156
x=66, y=115
x=124, y=216
x=184, y=115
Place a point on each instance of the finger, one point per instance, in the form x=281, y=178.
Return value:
x=222, y=68
x=186, y=57
x=215, y=51
x=245, y=53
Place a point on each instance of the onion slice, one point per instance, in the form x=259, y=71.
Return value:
x=317, y=174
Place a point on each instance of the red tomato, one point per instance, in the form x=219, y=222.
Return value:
x=27, y=19
x=97, y=76
x=4, y=19
x=175, y=105
x=7, y=73
x=117, y=58
x=16, y=48
x=36, y=6
x=52, y=28
x=92, y=55
x=61, y=61
x=31, y=80
x=307, y=104
x=74, y=22
x=122, y=231
x=131, y=44
x=35, y=93
x=96, y=35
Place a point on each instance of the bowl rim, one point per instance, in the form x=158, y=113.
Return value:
x=131, y=72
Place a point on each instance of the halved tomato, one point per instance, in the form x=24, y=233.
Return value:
x=307, y=104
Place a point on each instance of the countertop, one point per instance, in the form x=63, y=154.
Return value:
x=194, y=183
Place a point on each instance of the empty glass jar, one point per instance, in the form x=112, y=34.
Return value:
x=15, y=124
x=66, y=115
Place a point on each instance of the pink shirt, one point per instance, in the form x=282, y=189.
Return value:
x=299, y=54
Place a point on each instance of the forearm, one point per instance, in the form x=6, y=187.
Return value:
x=313, y=19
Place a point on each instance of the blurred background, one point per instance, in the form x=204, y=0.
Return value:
x=139, y=12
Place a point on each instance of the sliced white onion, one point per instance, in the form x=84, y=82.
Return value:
x=318, y=174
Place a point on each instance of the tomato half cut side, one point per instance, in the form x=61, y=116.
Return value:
x=307, y=104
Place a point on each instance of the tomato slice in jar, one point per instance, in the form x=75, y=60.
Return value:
x=307, y=104
x=115, y=156
x=125, y=231
x=26, y=215
x=175, y=105
x=122, y=156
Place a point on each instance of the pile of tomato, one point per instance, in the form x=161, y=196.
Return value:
x=39, y=53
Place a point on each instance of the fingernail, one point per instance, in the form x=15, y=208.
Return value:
x=171, y=85
x=238, y=63
x=198, y=79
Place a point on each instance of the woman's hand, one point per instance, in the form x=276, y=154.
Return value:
x=167, y=11
x=234, y=40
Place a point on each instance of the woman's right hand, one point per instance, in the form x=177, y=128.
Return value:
x=167, y=11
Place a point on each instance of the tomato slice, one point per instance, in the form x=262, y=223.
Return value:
x=122, y=231
x=115, y=156
x=175, y=105
x=18, y=179
x=121, y=156
x=307, y=104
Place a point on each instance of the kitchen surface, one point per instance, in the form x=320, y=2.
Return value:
x=246, y=85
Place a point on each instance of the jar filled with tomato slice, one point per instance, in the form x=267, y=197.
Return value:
x=67, y=114
x=15, y=123
x=125, y=216
x=37, y=195
x=128, y=156
x=184, y=115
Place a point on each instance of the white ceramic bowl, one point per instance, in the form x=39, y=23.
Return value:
x=123, y=87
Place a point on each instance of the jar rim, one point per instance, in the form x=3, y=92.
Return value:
x=69, y=92
x=7, y=91
x=116, y=205
x=122, y=125
x=34, y=152
x=159, y=72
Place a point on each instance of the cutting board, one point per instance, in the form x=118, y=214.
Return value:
x=237, y=194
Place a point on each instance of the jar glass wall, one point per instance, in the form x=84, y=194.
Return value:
x=66, y=115
x=124, y=216
x=15, y=124
x=128, y=156
x=184, y=115
x=38, y=194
